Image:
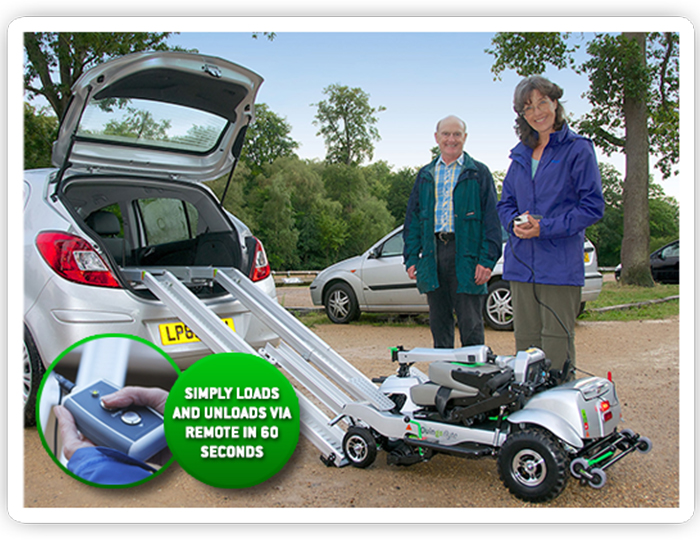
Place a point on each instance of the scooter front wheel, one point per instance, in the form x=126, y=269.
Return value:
x=533, y=466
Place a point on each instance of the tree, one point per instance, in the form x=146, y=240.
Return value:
x=40, y=131
x=347, y=123
x=634, y=98
x=267, y=139
x=607, y=233
x=399, y=191
x=66, y=56
x=139, y=124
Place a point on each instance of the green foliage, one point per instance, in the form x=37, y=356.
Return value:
x=498, y=177
x=400, y=187
x=140, y=124
x=40, y=130
x=617, y=73
x=347, y=121
x=607, y=234
x=275, y=221
x=267, y=138
x=663, y=99
x=69, y=55
x=310, y=215
x=366, y=216
x=528, y=53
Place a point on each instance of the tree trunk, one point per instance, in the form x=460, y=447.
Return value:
x=635, y=199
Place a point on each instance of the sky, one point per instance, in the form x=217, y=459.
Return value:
x=420, y=77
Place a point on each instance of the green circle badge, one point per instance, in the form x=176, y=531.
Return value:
x=232, y=420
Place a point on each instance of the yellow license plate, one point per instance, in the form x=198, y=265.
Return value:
x=586, y=257
x=179, y=333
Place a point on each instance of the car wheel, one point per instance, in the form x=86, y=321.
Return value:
x=533, y=466
x=498, y=307
x=341, y=303
x=32, y=375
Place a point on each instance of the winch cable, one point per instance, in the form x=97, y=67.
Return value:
x=567, y=364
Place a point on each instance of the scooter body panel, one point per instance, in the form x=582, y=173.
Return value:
x=398, y=426
x=582, y=409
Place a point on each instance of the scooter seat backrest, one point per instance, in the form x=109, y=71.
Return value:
x=468, y=378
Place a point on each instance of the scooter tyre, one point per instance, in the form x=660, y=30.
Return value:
x=360, y=447
x=533, y=465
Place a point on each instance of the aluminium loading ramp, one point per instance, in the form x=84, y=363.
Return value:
x=302, y=354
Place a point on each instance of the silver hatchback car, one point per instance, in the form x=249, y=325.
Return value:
x=140, y=135
x=376, y=281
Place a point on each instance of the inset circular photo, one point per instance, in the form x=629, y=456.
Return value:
x=100, y=410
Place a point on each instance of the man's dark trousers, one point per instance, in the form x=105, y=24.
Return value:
x=444, y=301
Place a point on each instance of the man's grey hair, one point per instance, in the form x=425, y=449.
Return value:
x=464, y=124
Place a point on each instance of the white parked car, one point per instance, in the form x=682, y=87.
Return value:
x=376, y=281
x=140, y=135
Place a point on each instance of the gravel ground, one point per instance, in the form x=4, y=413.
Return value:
x=642, y=356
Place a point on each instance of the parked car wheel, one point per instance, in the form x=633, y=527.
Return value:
x=341, y=303
x=33, y=373
x=581, y=309
x=498, y=308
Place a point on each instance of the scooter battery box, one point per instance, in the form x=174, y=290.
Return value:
x=136, y=431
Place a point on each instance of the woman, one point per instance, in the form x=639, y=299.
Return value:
x=554, y=182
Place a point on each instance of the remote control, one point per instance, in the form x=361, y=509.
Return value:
x=522, y=219
x=136, y=431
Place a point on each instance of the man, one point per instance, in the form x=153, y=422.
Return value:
x=452, y=237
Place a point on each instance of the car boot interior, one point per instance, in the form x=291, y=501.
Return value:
x=154, y=224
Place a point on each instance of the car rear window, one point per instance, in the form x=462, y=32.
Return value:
x=141, y=122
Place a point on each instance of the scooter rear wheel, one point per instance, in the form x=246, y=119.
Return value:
x=359, y=447
x=533, y=466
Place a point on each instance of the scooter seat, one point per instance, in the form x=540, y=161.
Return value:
x=459, y=381
x=425, y=394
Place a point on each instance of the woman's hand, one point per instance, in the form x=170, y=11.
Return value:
x=531, y=229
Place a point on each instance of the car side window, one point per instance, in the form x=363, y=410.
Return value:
x=392, y=247
x=671, y=251
x=168, y=220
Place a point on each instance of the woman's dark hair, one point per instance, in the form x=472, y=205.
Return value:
x=521, y=98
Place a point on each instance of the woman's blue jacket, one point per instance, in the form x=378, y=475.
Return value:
x=566, y=192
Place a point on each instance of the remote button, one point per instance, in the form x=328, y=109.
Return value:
x=131, y=418
x=102, y=404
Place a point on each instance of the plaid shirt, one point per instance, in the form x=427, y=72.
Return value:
x=445, y=178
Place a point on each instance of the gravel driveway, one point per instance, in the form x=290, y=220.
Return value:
x=642, y=356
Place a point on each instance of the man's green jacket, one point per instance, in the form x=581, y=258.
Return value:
x=477, y=228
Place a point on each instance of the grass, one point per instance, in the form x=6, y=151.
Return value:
x=369, y=319
x=612, y=294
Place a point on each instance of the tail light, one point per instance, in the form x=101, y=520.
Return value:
x=74, y=259
x=605, y=410
x=260, y=268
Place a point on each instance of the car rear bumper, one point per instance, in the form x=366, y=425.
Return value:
x=65, y=313
x=592, y=288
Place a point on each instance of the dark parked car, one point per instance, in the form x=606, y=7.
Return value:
x=664, y=264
